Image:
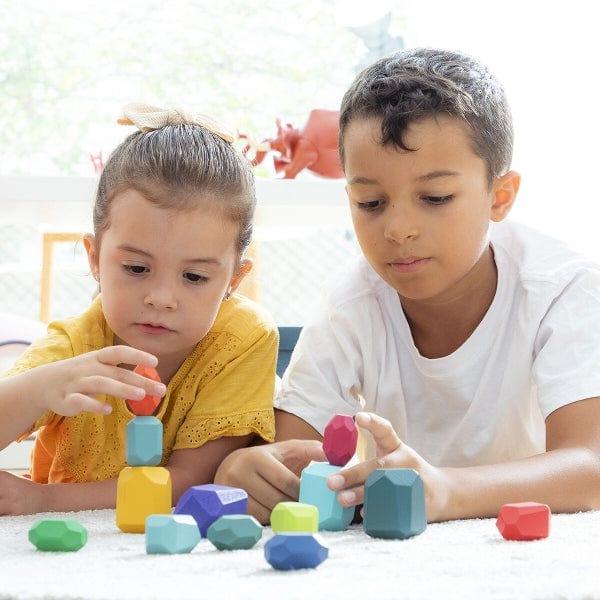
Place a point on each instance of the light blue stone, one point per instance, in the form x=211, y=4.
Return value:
x=171, y=534
x=287, y=551
x=394, y=504
x=234, y=532
x=144, y=442
x=313, y=490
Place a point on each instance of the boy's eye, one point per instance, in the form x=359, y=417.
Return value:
x=436, y=200
x=370, y=205
x=195, y=277
x=136, y=269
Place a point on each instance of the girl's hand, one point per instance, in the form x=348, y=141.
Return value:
x=391, y=453
x=20, y=496
x=68, y=387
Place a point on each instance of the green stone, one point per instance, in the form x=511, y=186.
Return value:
x=58, y=535
x=234, y=532
x=295, y=516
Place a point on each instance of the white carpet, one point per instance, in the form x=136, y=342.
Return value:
x=461, y=559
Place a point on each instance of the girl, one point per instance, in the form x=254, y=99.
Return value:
x=172, y=219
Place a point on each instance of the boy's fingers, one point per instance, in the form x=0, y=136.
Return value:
x=352, y=497
x=354, y=476
x=381, y=429
x=276, y=474
x=114, y=355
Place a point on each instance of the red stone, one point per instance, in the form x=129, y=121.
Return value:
x=339, y=440
x=148, y=404
x=524, y=521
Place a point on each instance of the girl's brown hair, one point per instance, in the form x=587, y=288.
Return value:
x=180, y=167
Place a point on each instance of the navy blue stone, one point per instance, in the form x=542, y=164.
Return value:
x=287, y=551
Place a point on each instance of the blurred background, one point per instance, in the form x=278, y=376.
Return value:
x=67, y=68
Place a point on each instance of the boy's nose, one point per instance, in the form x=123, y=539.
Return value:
x=400, y=227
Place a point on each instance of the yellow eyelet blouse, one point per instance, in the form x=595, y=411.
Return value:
x=224, y=388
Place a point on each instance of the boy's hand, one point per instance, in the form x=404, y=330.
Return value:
x=20, y=496
x=68, y=387
x=269, y=473
x=391, y=453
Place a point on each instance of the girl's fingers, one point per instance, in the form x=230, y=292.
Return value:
x=99, y=385
x=277, y=476
x=381, y=429
x=148, y=386
x=114, y=355
x=82, y=403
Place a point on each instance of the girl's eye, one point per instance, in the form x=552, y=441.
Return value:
x=370, y=205
x=195, y=277
x=437, y=200
x=136, y=269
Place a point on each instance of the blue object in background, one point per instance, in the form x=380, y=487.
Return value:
x=288, y=336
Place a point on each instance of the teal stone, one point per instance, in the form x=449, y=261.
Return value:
x=235, y=532
x=171, y=534
x=144, y=442
x=313, y=490
x=58, y=535
x=394, y=506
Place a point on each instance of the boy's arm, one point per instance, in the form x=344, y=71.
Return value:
x=193, y=466
x=566, y=477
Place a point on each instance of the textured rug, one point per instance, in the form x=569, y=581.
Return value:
x=460, y=559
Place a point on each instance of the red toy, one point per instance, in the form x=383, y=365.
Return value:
x=339, y=440
x=314, y=147
x=148, y=404
x=524, y=521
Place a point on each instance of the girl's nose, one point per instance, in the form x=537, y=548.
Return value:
x=161, y=299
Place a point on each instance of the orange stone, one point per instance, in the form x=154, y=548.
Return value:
x=146, y=406
x=524, y=521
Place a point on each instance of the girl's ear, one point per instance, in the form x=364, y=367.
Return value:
x=504, y=192
x=245, y=267
x=89, y=242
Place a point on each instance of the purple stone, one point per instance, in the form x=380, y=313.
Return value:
x=206, y=503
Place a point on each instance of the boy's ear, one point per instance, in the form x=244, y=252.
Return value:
x=245, y=267
x=504, y=192
x=89, y=242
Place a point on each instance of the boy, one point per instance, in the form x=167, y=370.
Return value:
x=475, y=341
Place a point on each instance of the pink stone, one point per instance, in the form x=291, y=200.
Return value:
x=524, y=521
x=339, y=440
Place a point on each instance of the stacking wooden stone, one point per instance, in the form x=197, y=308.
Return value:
x=206, y=503
x=58, y=535
x=234, y=532
x=171, y=534
x=143, y=488
x=294, y=517
x=524, y=521
x=287, y=551
x=339, y=444
x=394, y=506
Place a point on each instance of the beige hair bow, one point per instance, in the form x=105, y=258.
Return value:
x=146, y=118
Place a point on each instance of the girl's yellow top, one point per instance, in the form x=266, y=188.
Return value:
x=225, y=387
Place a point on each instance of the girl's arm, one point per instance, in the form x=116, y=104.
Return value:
x=188, y=467
x=566, y=477
x=68, y=387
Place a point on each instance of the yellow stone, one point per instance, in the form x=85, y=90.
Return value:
x=295, y=516
x=141, y=492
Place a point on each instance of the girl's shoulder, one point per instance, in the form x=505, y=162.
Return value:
x=241, y=317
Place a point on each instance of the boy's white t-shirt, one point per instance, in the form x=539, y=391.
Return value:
x=536, y=349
